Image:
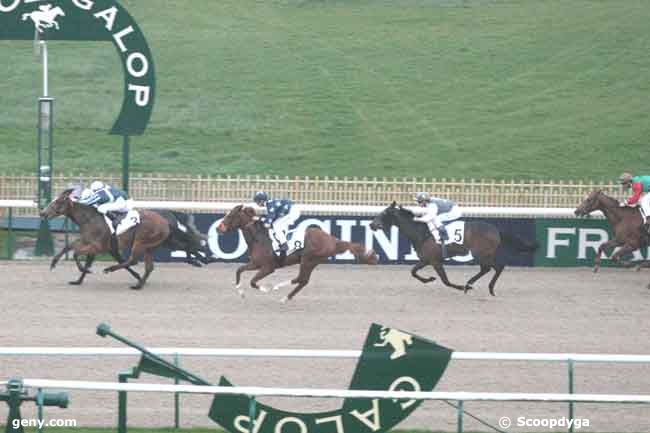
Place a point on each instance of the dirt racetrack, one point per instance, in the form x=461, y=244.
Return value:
x=536, y=310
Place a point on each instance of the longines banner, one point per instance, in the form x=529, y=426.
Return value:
x=391, y=247
x=563, y=242
x=391, y=360
x=92, y=20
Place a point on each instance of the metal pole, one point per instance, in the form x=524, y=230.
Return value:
x=125, y=163
x=122, y=377
x=45, y=67
x=39, y=404
x=177, y=396
x=571, y=390
x=251, y=413
x=460, y=417
x=10, y=236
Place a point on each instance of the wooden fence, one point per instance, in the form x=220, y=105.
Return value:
x=326, y=190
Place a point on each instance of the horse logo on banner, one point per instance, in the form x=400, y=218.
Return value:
x=45, y=17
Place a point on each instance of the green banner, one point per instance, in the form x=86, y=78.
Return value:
x=574, y=242
x=92, y=20
x=391, y=360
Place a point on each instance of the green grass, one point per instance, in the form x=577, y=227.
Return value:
x=476, y=88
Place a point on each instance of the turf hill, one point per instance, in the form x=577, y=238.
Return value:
x=475, y=88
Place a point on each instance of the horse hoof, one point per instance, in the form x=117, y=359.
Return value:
x=74, y=283
x=136, y=287
x=468, y=288
x=596, y=270
x=108, y=270
x=264, y=289
x=284, y=300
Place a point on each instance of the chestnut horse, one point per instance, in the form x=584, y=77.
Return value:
x=318, y=246
x=95, y=237
x=626, y=223
x=481, y=239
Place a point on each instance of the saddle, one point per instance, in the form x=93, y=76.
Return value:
x=116, y=218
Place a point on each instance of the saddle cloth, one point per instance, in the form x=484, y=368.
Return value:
x=456, y=232
x=295, y=241
x=128, y=220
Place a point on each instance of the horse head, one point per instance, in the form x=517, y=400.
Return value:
x=60, y=205
x=386, y=218
x=238, y=218
x=591, y=203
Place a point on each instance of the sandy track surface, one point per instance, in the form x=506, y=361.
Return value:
x=536, y=310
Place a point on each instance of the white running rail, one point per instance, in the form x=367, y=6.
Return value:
x=255, y=391
x=223, y=207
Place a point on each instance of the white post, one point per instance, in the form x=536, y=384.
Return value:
x=45, y=77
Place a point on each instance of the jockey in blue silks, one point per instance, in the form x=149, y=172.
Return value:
x=108, y=201
x=438, y=212
x=280, y=214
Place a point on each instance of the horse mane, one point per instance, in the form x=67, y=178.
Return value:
x=406, y=211
x=602, y=193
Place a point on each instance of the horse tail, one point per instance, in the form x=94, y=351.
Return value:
x=187, y=220
x=359, y=251
x=518, y=244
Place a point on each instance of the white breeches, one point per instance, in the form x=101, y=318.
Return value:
x=438, y=221
x=644, y=202
x=119, y=205
x=281, y=225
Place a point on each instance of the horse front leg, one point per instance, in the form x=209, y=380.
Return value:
x=250, y=266
x=616, y=257
x=85, y=270
x=67, y=248
x=484, y=270
x=443, y=277
x=612, y=243
x=136, y=251
x=306, y=269
x=263, y=272
x=414, y=273
x=148, y=268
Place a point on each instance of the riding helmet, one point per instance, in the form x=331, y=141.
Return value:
x=260, y=196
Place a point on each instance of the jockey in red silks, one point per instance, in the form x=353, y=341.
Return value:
x=640, y=187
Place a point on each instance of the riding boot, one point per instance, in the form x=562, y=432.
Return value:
x=444, y=237
x=646, y=226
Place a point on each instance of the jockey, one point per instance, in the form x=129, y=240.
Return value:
x=108, y=201
x=438, y=211
x=280, y=214
x=640, y=187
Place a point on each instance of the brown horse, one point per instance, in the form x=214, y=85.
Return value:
x=626, y=223
x=318, y=246
x=481, y=239
x=95, y=237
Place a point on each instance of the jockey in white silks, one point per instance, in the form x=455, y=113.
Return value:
x=280, y=214
x=438, y=212
x=109, y=201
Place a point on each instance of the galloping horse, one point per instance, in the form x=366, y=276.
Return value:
x=626, y=224
x=45, y=18
x=481, y=239
x=318, y=247
x=95, y=237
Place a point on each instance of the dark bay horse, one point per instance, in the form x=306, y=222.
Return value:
x=626, y=223
x=95, y=237
x=481, y=239
x=318, y=246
